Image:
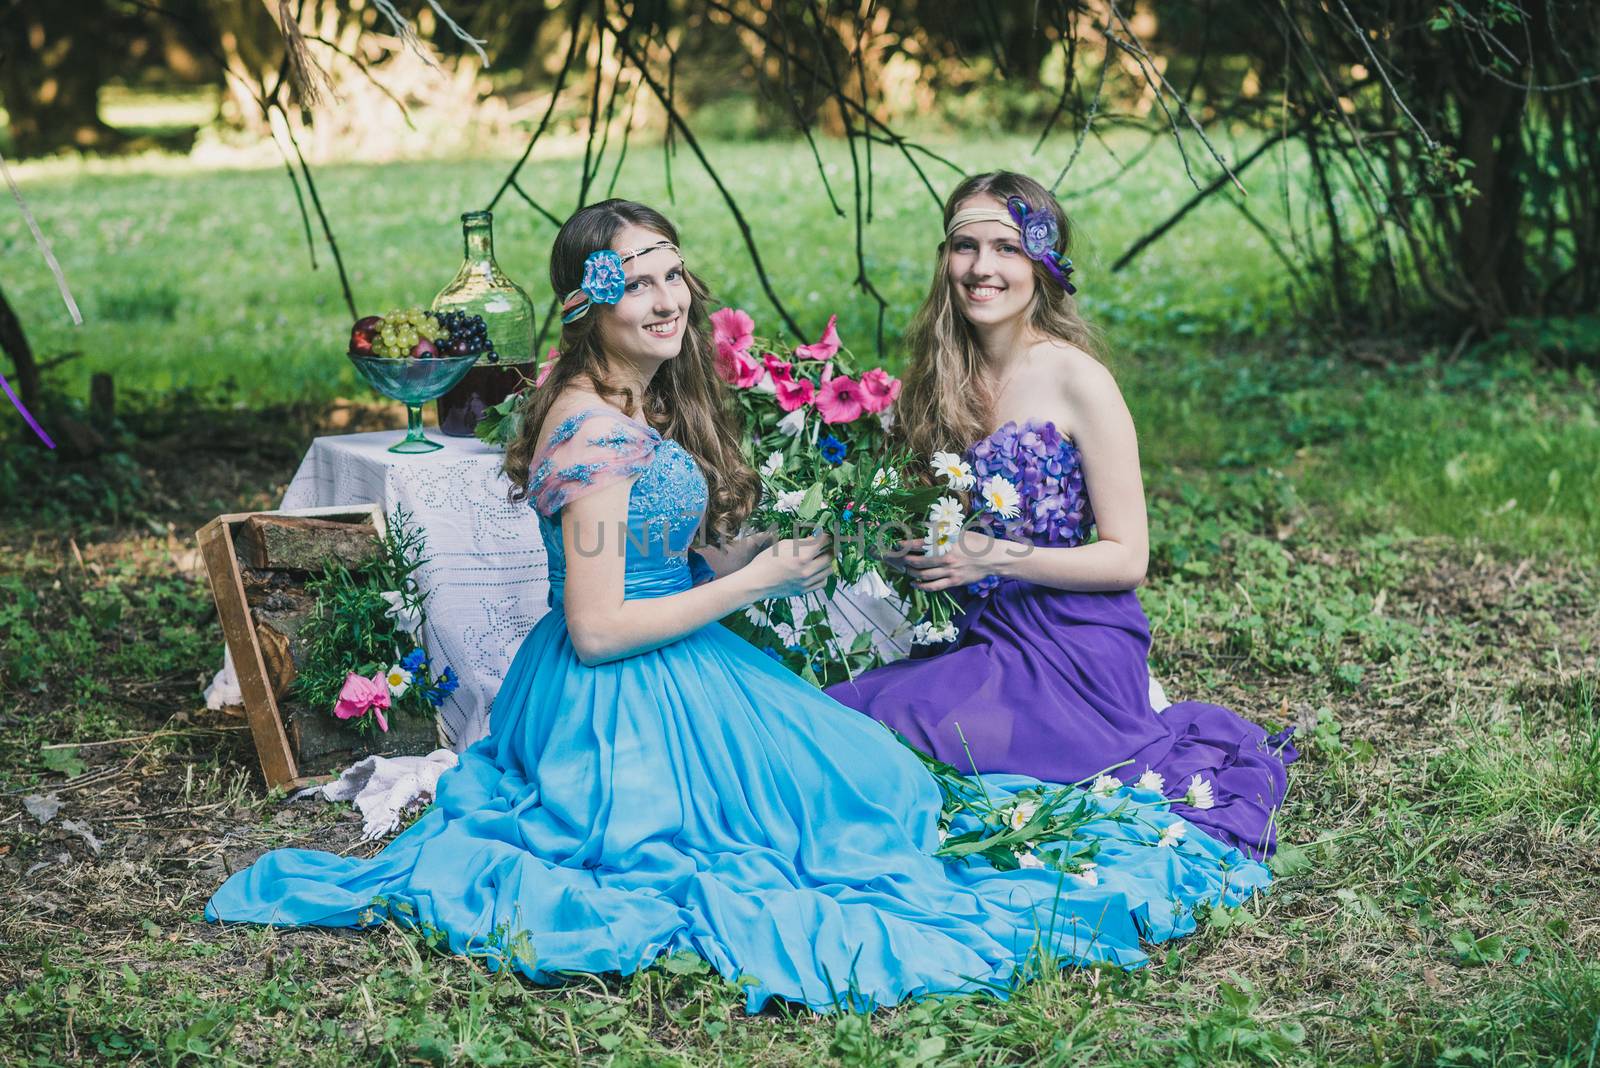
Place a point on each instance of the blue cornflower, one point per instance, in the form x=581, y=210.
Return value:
x=833, y=450
x=443, y=687
x=414, y=659
x=770, y=651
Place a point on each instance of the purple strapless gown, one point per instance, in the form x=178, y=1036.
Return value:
x=1055, y=684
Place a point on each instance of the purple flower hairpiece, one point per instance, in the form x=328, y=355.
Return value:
x=1039, y=236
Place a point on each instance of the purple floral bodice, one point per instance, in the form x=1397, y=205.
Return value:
x=1045, y=467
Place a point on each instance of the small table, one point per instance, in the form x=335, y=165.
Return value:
x=486, y=575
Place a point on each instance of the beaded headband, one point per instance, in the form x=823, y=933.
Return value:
x=603, y=280
x=1038, y=230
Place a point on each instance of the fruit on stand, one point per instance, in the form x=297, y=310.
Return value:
x=411, y=333
x=363, y=334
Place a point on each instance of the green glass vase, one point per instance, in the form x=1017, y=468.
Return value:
x=480, y=287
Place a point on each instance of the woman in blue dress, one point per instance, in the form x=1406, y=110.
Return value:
x=652, y=783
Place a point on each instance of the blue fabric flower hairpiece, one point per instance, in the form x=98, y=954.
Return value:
x=603, y=280
x=1039, y=236
x=603, y=283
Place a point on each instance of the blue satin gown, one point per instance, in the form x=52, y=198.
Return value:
x=700, y=797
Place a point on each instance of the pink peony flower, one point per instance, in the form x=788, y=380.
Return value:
x=878, y=390
x=824, y=347
x=793, y=392
x=840, y=400
x=360, y=696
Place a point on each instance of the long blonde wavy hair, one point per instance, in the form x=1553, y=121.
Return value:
x=946, y=401
x=685, y=400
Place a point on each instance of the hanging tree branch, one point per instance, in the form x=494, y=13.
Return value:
x=676, y=120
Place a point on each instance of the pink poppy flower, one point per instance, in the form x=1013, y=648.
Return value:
x=780, y=370
x=840, y=400
x=549, y=365
x=824, y=347
x=793, y=392
x=732, y=330
x=360, y=696
x=737, y=368
x=878, y=390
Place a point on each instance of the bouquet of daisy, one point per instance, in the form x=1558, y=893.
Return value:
x=364, y=660
x=1048, y=826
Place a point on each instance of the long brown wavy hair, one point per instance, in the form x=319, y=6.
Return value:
x=945, y=402
x=685, y=400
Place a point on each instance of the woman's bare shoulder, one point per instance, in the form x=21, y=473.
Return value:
x=1080, y=379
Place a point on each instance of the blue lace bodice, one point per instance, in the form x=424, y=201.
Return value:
x=595, y=447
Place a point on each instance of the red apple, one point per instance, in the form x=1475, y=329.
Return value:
x=363, y=333
x=424, y=350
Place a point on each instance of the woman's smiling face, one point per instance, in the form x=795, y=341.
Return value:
x=649, y=321
x=990, y=275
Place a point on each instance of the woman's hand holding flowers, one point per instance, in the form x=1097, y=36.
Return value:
x=970, y=556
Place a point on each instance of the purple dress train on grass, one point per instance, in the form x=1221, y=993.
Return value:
x=1055, y=684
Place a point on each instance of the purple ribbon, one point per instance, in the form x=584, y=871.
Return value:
x=37, y=429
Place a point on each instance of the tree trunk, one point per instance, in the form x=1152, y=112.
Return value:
x=1489, y=246
x=53, y=59
x=14, y=343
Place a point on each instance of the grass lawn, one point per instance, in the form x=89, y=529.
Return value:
x=1394, y=550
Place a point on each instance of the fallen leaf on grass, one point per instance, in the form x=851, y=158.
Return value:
x=42, y=807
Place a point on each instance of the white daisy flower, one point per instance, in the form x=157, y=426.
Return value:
x=1199, y=795
x=1029, y=860
x=399, y=680
x=789, y=501
x=954, y=470
x=885, y=479
x=946, y=510
x=773, y=465
x=1173, y=833
x=1001, y=497
x=755, y=615
x=942, y=538
x=1087, y=875
x=1021, y=813
x=793, y=423
x=1105, y=785
x=406, y=615
x=1152, y=780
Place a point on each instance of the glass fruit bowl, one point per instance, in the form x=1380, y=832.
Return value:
x=413, y=383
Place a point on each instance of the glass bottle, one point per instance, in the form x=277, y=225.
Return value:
x=480, y=287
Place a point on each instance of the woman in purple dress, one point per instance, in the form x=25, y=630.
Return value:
x=1047, y=675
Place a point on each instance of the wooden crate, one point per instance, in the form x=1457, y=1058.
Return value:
x=274, y=736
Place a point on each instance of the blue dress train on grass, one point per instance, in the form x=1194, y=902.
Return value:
x=700, y=797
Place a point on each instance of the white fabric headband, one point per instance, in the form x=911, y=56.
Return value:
x=972, y=215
